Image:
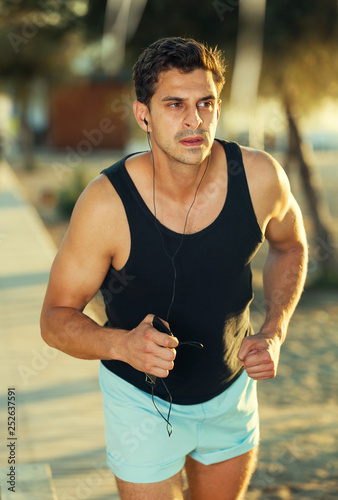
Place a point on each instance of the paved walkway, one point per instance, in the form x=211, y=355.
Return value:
x=59, y=421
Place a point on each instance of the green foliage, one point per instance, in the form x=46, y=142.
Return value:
x=94, y=20
x=289, y=23
x=68, y=195
x=32, y=36
x=300, y=45
x=324, y=281
x=41, y=38
x=212, y=22
x=300, y=41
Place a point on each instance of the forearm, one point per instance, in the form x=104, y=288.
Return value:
x=74, y=333
x=283, y=277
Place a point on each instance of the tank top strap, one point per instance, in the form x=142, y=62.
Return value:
x=238, y=189
x=115, y=174
x=119, y=178
x=236, y=171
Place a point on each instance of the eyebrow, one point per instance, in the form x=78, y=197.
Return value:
x=181, y=99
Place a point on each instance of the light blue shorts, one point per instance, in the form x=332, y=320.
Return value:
x=139, y=449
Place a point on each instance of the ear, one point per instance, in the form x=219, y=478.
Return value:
x=141, y=113
x=219, y=108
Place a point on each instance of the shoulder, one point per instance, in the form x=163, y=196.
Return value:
x=264, y=169
x=98, y=198
x=98, y=213
x=268, y=185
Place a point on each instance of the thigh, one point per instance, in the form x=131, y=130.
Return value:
x=227, y=480
x=170, y=489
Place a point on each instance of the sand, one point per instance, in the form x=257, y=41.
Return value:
x=299, y=412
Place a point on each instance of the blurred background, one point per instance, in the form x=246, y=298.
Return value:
x=66, y=98
x=66, y=91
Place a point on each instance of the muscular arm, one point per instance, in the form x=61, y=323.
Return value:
x=77, y=273
x=283, y=275
x=284, y=270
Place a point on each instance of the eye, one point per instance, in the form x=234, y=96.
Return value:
x=175, y=104
x=205, y=104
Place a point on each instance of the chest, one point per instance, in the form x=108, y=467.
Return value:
x=198, y=211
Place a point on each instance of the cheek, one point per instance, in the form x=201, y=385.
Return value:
x=165, y=123
x=210, y=118
x=163, y=137
x=167, y=131
x=215, y=119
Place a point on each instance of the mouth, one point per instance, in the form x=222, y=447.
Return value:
x=192, y=141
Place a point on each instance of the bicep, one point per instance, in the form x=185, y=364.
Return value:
x=75, y=276
x=285, y=230
x=276, y=209
x=83, y=258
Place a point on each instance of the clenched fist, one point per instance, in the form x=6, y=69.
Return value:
x=259, y=355
x=148, y=350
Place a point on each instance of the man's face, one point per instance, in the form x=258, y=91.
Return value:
x=184, y=112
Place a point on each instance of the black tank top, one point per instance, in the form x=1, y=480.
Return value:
x=213, y=286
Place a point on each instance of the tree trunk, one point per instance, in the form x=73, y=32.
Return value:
x=291, y=156
x=324, y=250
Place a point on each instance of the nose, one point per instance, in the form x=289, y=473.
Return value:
x=192, y=119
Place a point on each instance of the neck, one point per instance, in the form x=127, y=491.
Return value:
x=179, y=180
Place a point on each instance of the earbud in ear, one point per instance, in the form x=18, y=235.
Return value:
x=145, y=121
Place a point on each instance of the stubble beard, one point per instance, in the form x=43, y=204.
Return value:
x=177, y=153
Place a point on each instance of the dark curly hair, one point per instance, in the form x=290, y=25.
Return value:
x=184, y=54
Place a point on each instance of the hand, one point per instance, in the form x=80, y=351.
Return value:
x=259, y=355
x=148, y=350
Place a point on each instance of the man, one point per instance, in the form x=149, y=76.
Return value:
x=171, y=232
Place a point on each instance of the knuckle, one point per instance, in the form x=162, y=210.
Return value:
x=266, y=356
x=148, y=348
x=147, y=334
